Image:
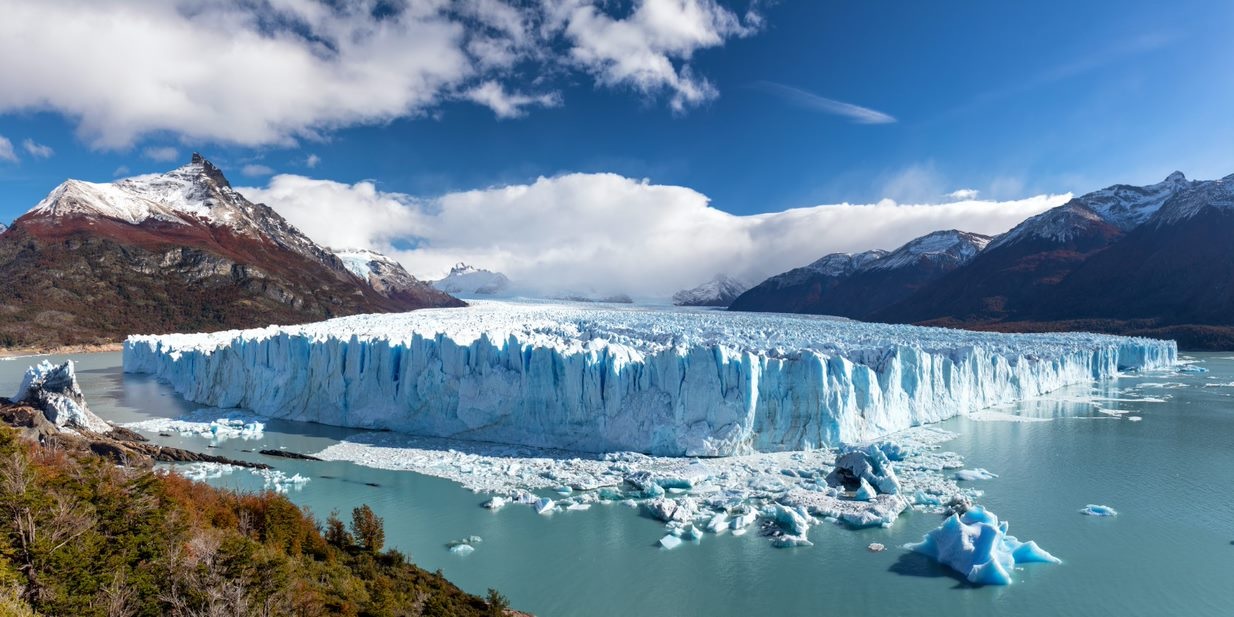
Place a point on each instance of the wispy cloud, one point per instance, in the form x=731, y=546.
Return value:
x=162, y=154
x=1098, y=59
x=814, y=102
x=6, y=150
x=37, y=150
x=254, y=170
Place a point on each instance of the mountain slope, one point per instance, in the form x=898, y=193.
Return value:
x=170, y=252
x=388, y=278
x=719, y=291
x=859, y=285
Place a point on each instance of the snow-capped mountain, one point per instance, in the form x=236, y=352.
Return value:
x=169, y=252
x=947, y=249
x=468, y=280
x=385, y=275
x=852, y=285
x=719, y=291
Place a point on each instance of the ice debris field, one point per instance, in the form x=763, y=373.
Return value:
x=605, y=379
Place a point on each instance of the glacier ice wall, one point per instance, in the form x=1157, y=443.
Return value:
x=588, y=378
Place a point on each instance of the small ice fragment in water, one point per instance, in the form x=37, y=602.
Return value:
x=496, y=503
x=544, y=505
x=670, y=541
x=462, y=549
x=1097, y=510
x=875, y=547
x=974, y=474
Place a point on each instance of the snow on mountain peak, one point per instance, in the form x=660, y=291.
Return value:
x=469, y=280
x=843, y=264
x=721, y=290
x=1198, y=197
x=948, y=245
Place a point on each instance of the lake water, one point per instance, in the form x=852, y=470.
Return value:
x=1169, y=552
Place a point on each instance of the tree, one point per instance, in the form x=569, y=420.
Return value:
x=336, y=532
x=497, y=603
x=368, y=528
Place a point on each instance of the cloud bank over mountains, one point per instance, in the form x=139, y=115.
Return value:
x=610, y=233
x=273, y=72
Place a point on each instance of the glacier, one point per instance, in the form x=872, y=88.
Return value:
x=660, y=381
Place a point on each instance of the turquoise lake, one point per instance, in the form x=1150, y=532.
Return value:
x=1169, y=552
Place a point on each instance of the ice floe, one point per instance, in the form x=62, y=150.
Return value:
x=214, y=424
x=1098, y=510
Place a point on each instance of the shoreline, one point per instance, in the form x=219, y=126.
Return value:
x=27, y=352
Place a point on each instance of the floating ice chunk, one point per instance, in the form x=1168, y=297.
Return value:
x=893, y=450
x=670, y=541
x=690, y=532
x=1134, y=418
x=1192, y=368
x=280, y=482
x=496, y=503
x=718, y=523
x=742, y=521
x=875, y=547
x=790, y=520
x=865, y=492
x=790, y=541
x=576, y=507
x=1097, y=510
x=544, y=505
x=977, y=546
x=462, y=549
x=971, y=475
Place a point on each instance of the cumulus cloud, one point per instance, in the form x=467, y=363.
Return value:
x=277, y=71
x=36, y=149
x=964, y=194
x=6, y=150
x=162, y=154
x=312, y=161
x=814, y=102
x=650, y=50
x=610, y=233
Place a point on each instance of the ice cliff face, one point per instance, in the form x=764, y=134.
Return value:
x=597, y=379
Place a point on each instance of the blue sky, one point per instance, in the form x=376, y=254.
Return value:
x=1008, y=99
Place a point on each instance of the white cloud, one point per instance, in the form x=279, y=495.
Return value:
x=312, y=161
x=276, y=71
x=37, y=150
x=964, y=194
x=120, y=171
x=650, y=49
x=6, y=150
x=814, y=102
x=608, y=232
x=493, y=95
x=253, y=169
x=162, y=154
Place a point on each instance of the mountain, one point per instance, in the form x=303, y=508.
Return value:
x=719, y=291
x=388, y=278
x=1019, y=276
x=179, y=251
x=468, y=280
x=859, y=284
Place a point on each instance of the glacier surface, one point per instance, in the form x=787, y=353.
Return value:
x=604, y=379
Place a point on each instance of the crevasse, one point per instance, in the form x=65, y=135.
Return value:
x=682, y=382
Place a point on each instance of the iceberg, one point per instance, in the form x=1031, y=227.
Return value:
x=977, y=546
x=53, y=389
x=671, y=382
x=972, y=475
x=1098, y=510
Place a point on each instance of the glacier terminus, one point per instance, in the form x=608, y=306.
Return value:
x=588, y=378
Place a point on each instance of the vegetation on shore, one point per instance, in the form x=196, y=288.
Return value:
x=82, y=536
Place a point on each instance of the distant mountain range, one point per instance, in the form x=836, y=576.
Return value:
x=180, y=251
x=1153, y=260
x=469, y=280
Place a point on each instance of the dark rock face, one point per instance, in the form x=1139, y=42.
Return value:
x=76, y=272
